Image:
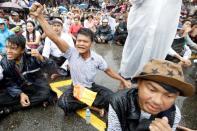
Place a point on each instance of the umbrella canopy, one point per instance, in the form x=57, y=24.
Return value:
x=10, y=5
x=83, y=6
x=62, y=9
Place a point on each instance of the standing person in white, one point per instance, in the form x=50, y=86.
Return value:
x=152, y=25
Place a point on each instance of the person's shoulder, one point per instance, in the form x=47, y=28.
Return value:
x=37, y=32
x=3, y=60
x=6, y=64
x=96, y=56
x=22, y=21
x=48, y=40
x=65, y=35
x=121, y=96
x=24, y=33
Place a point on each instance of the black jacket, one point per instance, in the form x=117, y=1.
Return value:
x=121, y=29
x=27, y=73
x=103, y=30
x=125, y=104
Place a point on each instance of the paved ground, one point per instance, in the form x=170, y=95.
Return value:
x=52, y=119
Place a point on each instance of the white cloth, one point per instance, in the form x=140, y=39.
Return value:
x=1, y=73
x=187, y=52
x=50, y=47
x=112, y=23
x=152, y=25
x=67, y=24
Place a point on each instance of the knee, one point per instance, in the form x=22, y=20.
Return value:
x=61, y=102
x=45, y=94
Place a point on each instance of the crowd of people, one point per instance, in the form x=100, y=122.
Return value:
x=51, y=43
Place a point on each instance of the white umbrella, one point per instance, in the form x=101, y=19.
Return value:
x=10, y=5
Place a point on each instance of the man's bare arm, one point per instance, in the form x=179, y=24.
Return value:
x=36, y=11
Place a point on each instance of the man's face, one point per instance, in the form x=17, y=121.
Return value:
x=13, y=51
x=104, y=23
x=6, y=21
x=83, y=43
x=76, y=21
x=153, y=98
x=57, y=27
x=90, y=18
x=15, y=17
x=2, y=26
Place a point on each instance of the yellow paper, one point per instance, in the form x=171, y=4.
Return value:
x=84, y=95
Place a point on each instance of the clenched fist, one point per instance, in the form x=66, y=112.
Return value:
x=36, y=9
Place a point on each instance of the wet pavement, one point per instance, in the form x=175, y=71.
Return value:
x=52, y=118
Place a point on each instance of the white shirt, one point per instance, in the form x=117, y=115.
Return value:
x=1, y=73
x=83, y=72
x=50, y=48
x=187, y=51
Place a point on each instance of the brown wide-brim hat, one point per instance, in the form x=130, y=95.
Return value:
x=168, y=73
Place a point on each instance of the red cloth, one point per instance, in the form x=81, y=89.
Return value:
x=75, y=28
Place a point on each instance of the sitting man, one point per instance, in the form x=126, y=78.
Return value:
x=180, y=50
x=150, y=106
x=120, y=34
x=23, y=83
x=104, y=33
x=51, y=51
x=83, y=64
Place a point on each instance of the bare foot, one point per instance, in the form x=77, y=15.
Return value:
x=102, y=112
x=45, y=104
x=118, y=43
x=54, y=76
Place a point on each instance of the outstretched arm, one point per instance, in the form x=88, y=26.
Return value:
x=116, y=76
x=36, y=11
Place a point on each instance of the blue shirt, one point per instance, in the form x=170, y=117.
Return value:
x=83, y=72
x=4, y=34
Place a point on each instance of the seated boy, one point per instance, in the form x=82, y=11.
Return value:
x=23, y=82
x=150, y=106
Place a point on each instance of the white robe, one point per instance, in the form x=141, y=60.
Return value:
x=152, y=26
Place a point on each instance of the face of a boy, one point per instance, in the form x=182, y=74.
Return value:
x=13, y=51
x=83, y=43
x=153, y=98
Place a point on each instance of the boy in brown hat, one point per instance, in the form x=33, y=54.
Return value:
x=150, y=106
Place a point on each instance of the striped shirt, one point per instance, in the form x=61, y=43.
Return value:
x=83, y=72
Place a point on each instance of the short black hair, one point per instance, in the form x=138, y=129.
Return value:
x=18, y=40
x=87, y=32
